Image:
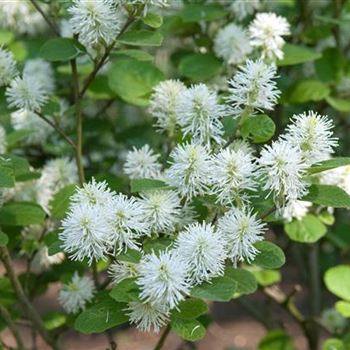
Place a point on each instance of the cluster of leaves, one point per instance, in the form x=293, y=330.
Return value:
x=121, y=121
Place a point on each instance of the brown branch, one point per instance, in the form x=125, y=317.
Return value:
x=31, y=312
x=162, y=339
x=47, y=19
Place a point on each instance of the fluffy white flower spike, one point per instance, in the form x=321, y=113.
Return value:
x=241, y=229
x=199, y=114
x=233, y=172
x=296, y=209
x=147, y=316
x=142, y=164
x=24, y=119
x=253, y=87
x=42, y=72
x=282, y=169
x=8, y=69
x=162, y=279
x=126, y=222
x=190, y=170
x=232, y=44
x=26, y=93
x=162, y=210
x=313, y=134
x=56, y=174
x=85, y=233
x=121, y=270
x=93, y=193
x=75, y=295
x=244, y=8
x=163, y=103
x=95, y=21
x=203, y=251
x=267, y=31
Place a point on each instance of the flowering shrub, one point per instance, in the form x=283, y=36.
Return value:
x=161, y=155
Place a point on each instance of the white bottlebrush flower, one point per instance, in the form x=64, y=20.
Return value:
x=85, y=233
x=8, y=69
x=42, y=261
x=95, y=21
x=313, y=134
x=42, y=72
x=142, y=164
x=240, y=229
x=203, y=251
x=120, y=270
x=253, y=87
x=187, y=216
x=296, y=209
x=337, y=177
x=161, y=209
x=93, y=193
x=244, y=8
x=76, y=294
x=190, y=171
x=21, y=17
x=3, y=141
x=233, y=172
x=147, y=316
x=26, y=93
x=199, y=114
x=282, y=169
x=24, y=119
x=162, y=279
x=56, y=174
x=126, y=222
x=266, y=32
x=163, y=102
x=232, y=44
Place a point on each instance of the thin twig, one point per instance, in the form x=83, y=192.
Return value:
x=12, y=326
x=31, y=312
x=47, y=19
x=162, y=339
x=58, y=129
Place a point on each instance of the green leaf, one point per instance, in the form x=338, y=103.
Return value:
x=14, y=137
x=141, y=38
x=294, y=54
x=267, y=277
x=199, y=67
x=142, y=185
x=200, y=12
x=190, y=309
x=136, y=54
x=343, y=307
x=339, y=104
x=307, y=230
x=133, y=80
x=59, y=49
x=259, y=128
x=219, y=289
x=125, y=291
x=191, y=330
x=54, y=319
x=98, y=318
x=329, y=164
x=7, y=176
x=6, y=37
x=276, y=340
x=308, y=90
x=337, y=280
x=270, y=255
x=132, y=256
x=60, y=201
x=245, y=280
x=153, y=20
x=327, y=195
x=21, y=214
x=330, y=67
x=156, y=245
x=333, y=344
x=3, y=239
